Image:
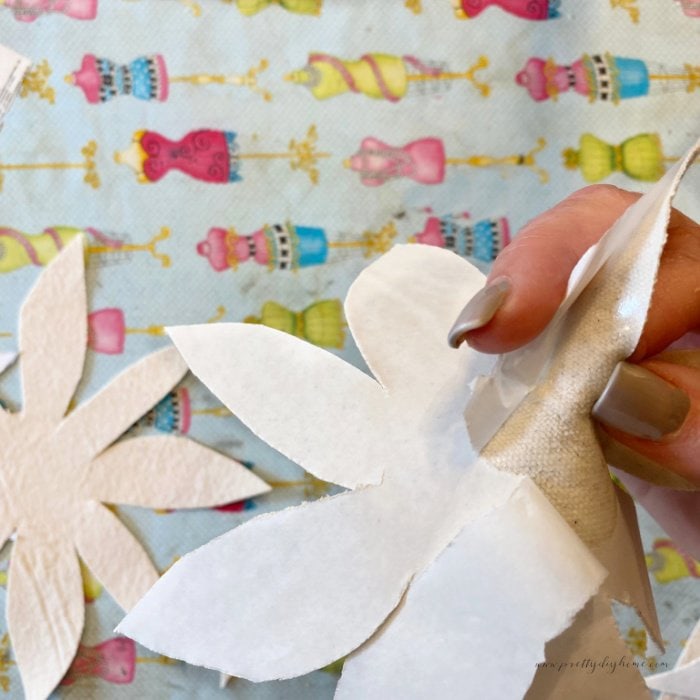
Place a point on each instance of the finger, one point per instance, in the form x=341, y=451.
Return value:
x=653, y=411
x=534, y=270
x=675, y=302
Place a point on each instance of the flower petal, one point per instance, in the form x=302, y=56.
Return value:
x=53, y=335
x=282, y=595
x=169, y=472
x=318, y=422
x=405, y=344
x=475, y=607
x=45, y=611
x=113, y=555
x=101, y=420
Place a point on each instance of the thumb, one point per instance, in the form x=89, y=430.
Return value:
x=650, y=416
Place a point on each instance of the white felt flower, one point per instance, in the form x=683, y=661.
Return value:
x=438, y=574
x=56, y=469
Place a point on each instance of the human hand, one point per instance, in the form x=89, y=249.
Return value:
x=649, y=413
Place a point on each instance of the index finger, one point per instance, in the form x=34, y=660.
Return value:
x=534, y=271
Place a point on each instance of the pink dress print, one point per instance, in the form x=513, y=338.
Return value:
x=29, y=10
x=113, y=661
x=206, y=155
x=539, y=78
x=422, y=160
x=527, y=9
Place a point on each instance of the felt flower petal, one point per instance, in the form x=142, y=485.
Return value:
x=45, y=611
x=396, y=336
x=101, y=420
x=332, y=400
x=113, y=555
x=169, y=472
x=282, y=595
x=449, y=638
x=53, y=335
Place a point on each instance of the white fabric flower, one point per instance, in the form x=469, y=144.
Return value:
x=438, y=573
x=55, y=469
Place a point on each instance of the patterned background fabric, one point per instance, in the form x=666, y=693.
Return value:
x=245, y=160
